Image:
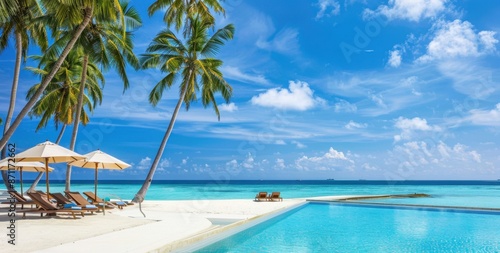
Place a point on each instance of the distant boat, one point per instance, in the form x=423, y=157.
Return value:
x=331, y=179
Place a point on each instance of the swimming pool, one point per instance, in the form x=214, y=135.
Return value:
x=320, y=227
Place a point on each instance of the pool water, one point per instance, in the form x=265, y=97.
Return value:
x=319, y=227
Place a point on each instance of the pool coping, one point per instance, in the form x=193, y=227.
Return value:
x=206, y=238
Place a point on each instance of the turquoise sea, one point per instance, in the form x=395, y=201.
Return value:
x=452, y=193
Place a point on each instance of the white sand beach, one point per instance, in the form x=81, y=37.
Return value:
x=168, y=225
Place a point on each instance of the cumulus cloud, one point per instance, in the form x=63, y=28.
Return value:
x=235, y=73
x=327, y=8
x=416, y=156
x=279, y=164
x=298, y=97
x=231, y=107
x=394, y=58
x=410, y=126
x=144, y=164
x=248, y=163
x=458, y=39
x=353, y=125
x=412, y=10
x=280, y=142
x=331, y=160
x=485, y=117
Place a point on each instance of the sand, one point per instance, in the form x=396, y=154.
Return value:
x=167, y=226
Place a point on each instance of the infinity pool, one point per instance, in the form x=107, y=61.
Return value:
x=320, y=227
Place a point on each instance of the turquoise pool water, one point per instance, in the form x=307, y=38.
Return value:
x=352, y=228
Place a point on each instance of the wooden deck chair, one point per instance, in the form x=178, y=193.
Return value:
x=275, y=196
x=19, y=199
x=46, y=207
x=261, y=196
x=82, y=201
x=95, y=199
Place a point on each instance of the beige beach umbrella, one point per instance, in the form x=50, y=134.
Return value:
x=23, y=167
x=99, y=160
x=48, y=152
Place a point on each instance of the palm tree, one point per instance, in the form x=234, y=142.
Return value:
x=75, y=16
x=106, y=45
x=181, y=12
x=59, y=99
x=15, y=19
x=192, y=63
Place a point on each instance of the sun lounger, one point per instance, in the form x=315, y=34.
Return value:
x=60, y=199
x=275, y=196
x=81, y=201
x=19, y=199
x=261, y=196
x=44, y=206
x=95, y=199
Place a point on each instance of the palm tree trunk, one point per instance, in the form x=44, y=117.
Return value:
x=35, y=183
x=76, y=120
x=13, y=94
x=45, y=82
x=141, y=194
x=40, y=174
x=61, y=134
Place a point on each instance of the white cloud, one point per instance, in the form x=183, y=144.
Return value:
x=485, y=117
x=236, y=74
x=297, y=97
x=410, y=126
x=298, y=144
x=285, y=41
x=280, y=142
x=420, y=157
x=327, y=8
x=344, y=106
x=248, y=163
x=144, y=164
x=231, y=107
x=395, y=58
x=185, y=160
x=331, y=160
x=412, y=10
x=353, y=125
x=279, y=164
x=458, y=39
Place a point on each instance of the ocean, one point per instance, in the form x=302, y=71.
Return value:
x=451, y=193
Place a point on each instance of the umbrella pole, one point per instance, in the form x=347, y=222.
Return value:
x=47, y=177
x=21, y=179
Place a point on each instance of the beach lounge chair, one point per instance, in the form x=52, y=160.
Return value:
x=46, y=207
x=19, y=199
x=95, y=199
x=60, y=199
x=275, y=196
x=261, y=196
x=81, y=201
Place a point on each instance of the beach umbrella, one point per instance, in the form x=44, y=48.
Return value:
x=48, y=152
x=99, y=160
x=23, y=167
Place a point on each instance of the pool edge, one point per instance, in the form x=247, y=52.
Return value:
x=204, y=239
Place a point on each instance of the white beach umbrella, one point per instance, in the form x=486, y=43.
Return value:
x=100, y=160
x=48, y=152
x=23, y=167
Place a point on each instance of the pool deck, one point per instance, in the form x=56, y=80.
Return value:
x=169, y=226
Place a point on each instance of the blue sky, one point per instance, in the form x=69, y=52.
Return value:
x=389, y=90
